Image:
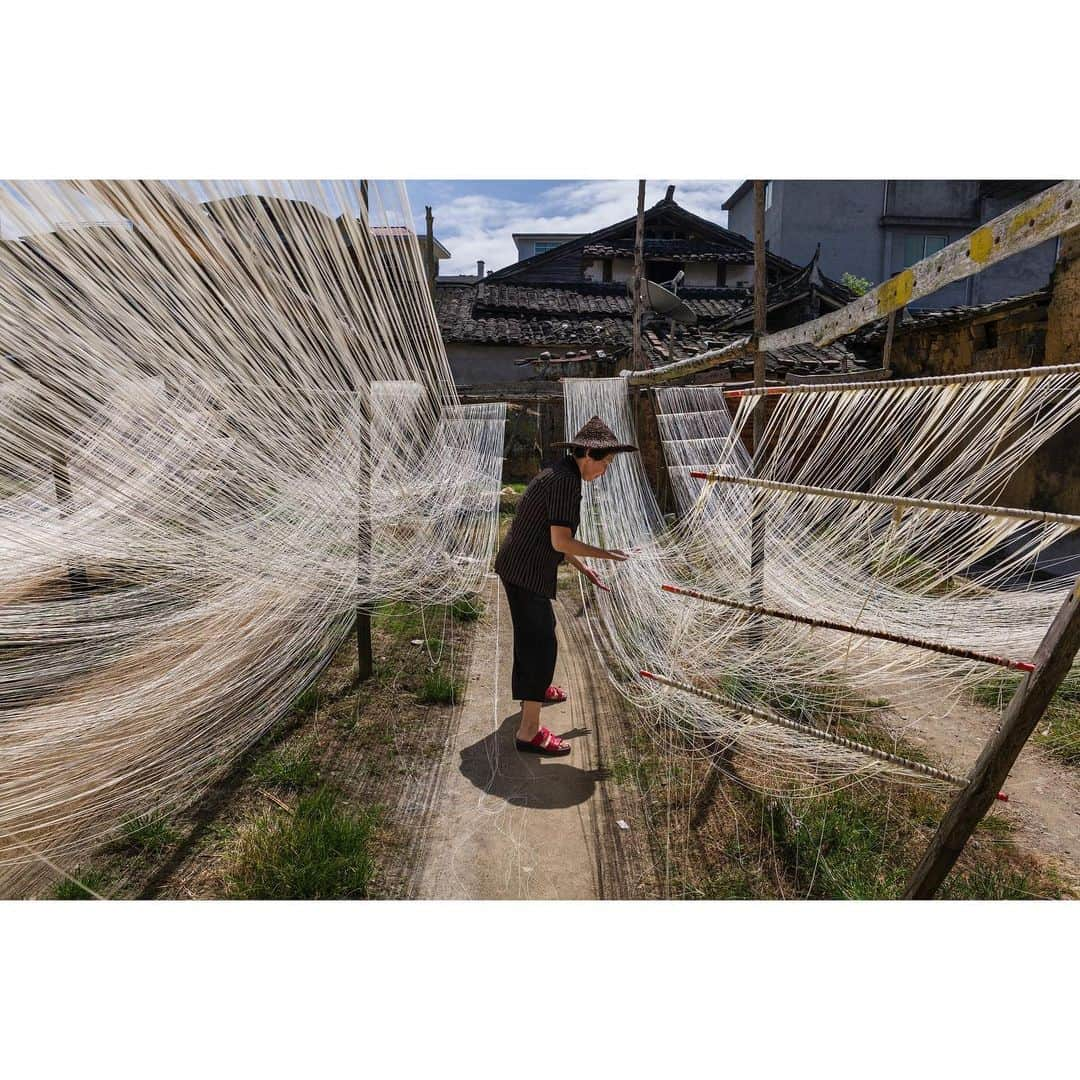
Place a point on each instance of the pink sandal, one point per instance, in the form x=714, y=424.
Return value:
x=544, y=743
x=554, y=695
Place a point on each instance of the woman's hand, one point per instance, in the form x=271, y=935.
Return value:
x=594, y=577
x=615, y=555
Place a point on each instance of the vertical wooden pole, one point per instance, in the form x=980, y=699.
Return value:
x=637, y=358
x=77, y=578
x=1053, y=659
x=757, y=514
x=430, y=262
x=364, y=662
x=886, y=356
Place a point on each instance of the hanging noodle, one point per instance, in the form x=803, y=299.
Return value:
x=226, y=420
x=960, y=578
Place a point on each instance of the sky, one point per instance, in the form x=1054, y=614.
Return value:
x=475, y=219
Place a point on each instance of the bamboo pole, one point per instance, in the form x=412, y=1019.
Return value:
x=848, y=628
x=637, y=359
x=902, y=501
x=926, y=380
x=807, y=729
x=1052, y=663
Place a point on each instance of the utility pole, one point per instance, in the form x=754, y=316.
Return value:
x=637, y=360
x=757, y=513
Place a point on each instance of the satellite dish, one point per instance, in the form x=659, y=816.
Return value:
x=665, y=302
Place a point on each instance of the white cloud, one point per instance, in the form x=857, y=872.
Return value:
x=480, y=226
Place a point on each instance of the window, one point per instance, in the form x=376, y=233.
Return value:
x=721, y=274
x=607, y=269
x=540, y=246
x=768, y=194
x=920, y=247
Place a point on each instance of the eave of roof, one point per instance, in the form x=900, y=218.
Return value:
x=657, y=210
x=737, y=194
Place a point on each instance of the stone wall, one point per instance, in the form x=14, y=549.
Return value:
x=1063, y=329
x=1034, y=334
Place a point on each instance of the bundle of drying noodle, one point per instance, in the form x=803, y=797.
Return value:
x=952, y=578
x=226, y=420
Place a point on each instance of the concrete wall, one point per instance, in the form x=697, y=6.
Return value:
x=845, y=217
x=472, y=364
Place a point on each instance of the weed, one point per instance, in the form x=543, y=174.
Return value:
x=81, y=886
x=290, y=767
x=307, y=702
x=438, y=689
x=322, y=851
x=150, y=833
x=467, y=608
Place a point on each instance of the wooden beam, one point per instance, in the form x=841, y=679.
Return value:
x=637, y=358
x=1053, y=659
x=1043, y=216
x=1039, y=218
x=899, y=501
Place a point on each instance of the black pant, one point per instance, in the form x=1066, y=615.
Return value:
x=535, y=646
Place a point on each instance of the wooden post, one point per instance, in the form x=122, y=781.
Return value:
x=77, y=578
x=1053, y=660
x=637, y=359
x=364, y=663
x=886, y=361
x=430, y=262
x=757, y=515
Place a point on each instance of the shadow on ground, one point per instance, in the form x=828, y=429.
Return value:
x=496, y=767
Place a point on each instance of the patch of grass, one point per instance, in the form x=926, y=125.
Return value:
x=731, y=883
x=322, y=851
x=438, y=689
x=291, y=767
x=69, y=889
x=467, y=608
x=150, y=833
x=637, y=771
x=993, y=882
x=1059, y=730
x=307, y=702
x=837, y=846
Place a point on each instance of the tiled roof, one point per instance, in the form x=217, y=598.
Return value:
x=591, y=300
x=914, y=319
x=792, y=288
x=551, y=319
x=683, y=250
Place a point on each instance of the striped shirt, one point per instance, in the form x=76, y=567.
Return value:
x=526, y=558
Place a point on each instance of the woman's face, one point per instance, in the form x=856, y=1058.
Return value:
x=591, y=469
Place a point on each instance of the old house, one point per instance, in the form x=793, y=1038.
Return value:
x=566, y=308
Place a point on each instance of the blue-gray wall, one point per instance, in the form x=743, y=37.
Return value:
x=861, y=225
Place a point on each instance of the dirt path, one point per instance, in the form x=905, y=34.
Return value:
x=1044, y=795
x=512, y=826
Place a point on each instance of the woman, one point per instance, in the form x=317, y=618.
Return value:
x=540, y=537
